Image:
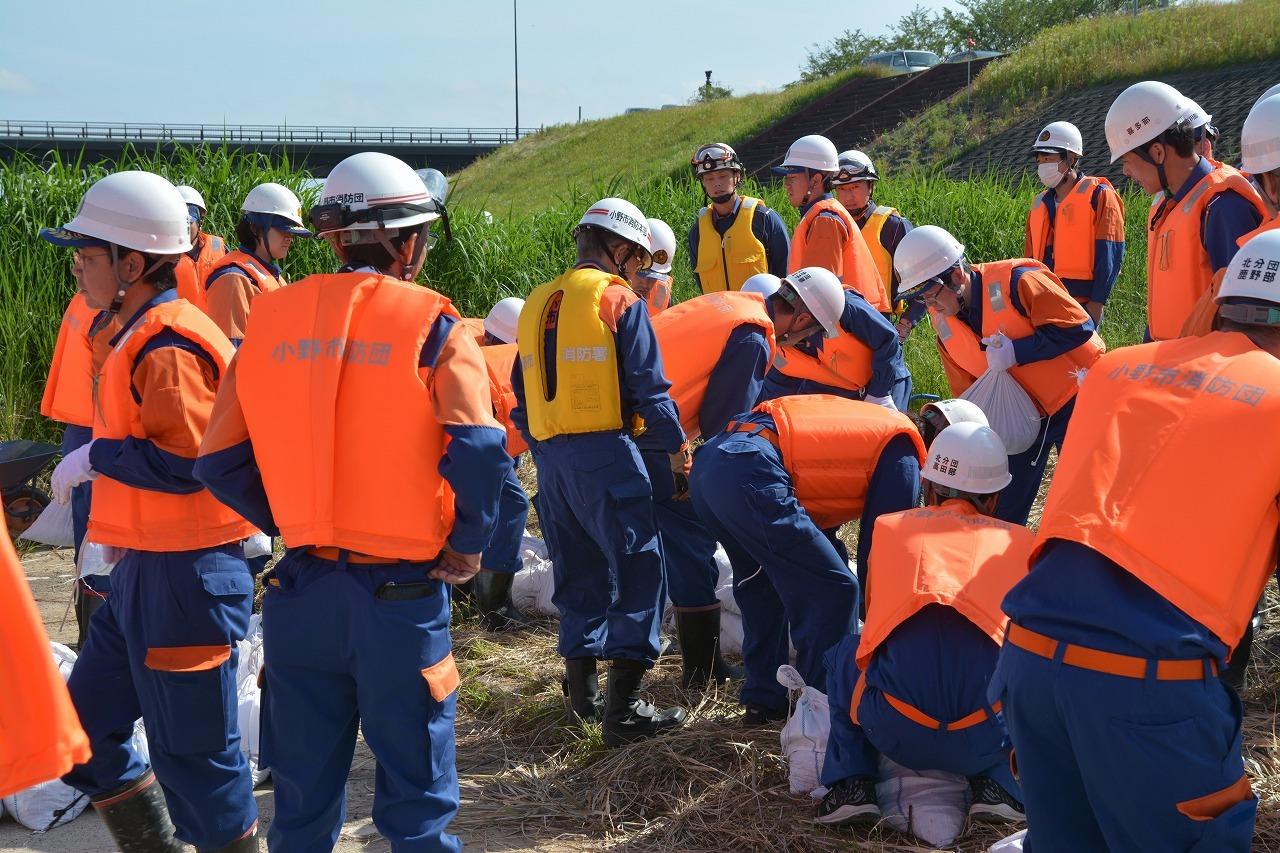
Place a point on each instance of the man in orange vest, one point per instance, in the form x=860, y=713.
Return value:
x=270, y=219
x=163, y=647
x=1076, y=226
x=715, y=350
x=725, y=248
x=1010, y=315
x=913, y=685
x=206, y=250
x=384, y=488
x=826, y=235
x=767, y=488
x=1203, y=208
x=1125, y=737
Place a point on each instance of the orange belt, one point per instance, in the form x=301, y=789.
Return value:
x=1108, y=662
x=920, y=718
x=331, y=553
x=753, y=429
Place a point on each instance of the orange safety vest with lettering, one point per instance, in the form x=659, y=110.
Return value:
x=191, y=274
x=725, y=263
x=1071, y=233
x=68, y=392
x=1151, y=422
x=1178, y=270
x=1050, y=383
x=142, y=519
x=949, y=554
x=830, y=446
x=357, y=464
x=499, y=359
x=860, y=272
x=692, y=337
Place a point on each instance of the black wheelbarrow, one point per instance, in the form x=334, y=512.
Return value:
x=21, y=461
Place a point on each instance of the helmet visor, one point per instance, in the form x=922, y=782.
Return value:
x=714, y=158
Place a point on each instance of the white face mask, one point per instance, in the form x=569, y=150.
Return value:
x=1049, y=174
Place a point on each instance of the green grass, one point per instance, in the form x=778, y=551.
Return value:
x=484, y=262
x=550, y=165
x=1076, y=56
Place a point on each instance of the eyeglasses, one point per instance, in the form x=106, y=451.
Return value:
x=81, y=254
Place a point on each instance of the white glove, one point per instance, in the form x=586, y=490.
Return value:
x=886, y=402
x=257, y=545
x=1000, y=354
x=73, y=470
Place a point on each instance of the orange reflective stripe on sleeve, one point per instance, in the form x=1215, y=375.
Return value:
x=187, y=658
x=1212, y=805
x=442, y=678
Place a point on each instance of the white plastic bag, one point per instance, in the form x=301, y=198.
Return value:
x=1009, y=410
x=804, y=737
x=249, y=697
x=1013, y=844
x=52, y=526
x=97, y=559
x=930, y=804
x=533, y=586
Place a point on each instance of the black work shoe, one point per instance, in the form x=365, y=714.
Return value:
x=581, y=687
x=850, y=802
x=759, y=715
x=991, y=803
x=627, y=717
x=699, y=633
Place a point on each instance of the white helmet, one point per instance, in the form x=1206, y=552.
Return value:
x=1274, y=90
x=191, y=195
x=764, y=283
x=372, y=191
x=957, y=411
x=136, y=210
x=810, y=152
x=503, y=319
x=968, y=457
x=267, y=204
x=1260, y=137
x=1254, y=273
x=1057, y=137
x=663, y=243
x=854, y=166
x=924, y=253
x=621, y=217
x=822, y=295
x=1141, y=113
x=715, y=157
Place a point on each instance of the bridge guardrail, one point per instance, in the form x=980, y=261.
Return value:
x=196, y=133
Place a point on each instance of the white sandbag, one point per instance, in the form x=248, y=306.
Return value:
x=1013, y=844
x=804, y=737
x=249, y=698
x=257, y=545
x=930, y=804
x=97, y=559
x=534, y=584
x=52, y=526
x=1010, y=412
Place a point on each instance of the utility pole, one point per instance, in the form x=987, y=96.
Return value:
x=515, y=53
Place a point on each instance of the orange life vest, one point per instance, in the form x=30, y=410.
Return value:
x=860, y=271
x=247, y=266
x=473, y=326
x=1152, y=474
x=949, y=554
x=841, y=362
x=1071, y=233
x=1050, y=383
x=830, y=447
x=500, y=359
x=1267, y=225
x=658, y=299
x=1178, y=270
x=43, y=738
x=68, y=392
x=692, y=337
x=142, y=519
x=356, y=465
x=191, y=274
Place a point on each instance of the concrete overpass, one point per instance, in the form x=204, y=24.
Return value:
x=315, y=148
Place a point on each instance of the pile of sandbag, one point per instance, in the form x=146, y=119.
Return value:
x=930, y=804
x=249, y=697
x=805, y=734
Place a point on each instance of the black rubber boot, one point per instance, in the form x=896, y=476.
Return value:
x=581, y=686
x=244, y=844
x=136, y=817
x=627, y=717
x=1234, y=675
x=86, y=603
x=492, y=595
x=699, y=633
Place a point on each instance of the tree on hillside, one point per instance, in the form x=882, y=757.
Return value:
x=710, y=91
x=922, y=29
x=844, y=51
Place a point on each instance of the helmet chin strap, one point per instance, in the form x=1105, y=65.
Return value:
x=123, y=286
x=410, y=270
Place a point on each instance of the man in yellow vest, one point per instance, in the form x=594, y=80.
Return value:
x=590, y=377
x=882, y=227
x=735, y=236
x=1012, y=315
x=1204, y=208
x=1126, y=738
x=1076, y=226
x=913, y=685
x=826, y=235
x=773, y=488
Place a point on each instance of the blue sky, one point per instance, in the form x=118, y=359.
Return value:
x=403, y=64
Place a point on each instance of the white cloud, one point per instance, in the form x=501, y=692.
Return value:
x=12, y=82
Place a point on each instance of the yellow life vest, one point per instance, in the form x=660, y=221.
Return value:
x=725, y=263
x=871, y=233
x=587, y=395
